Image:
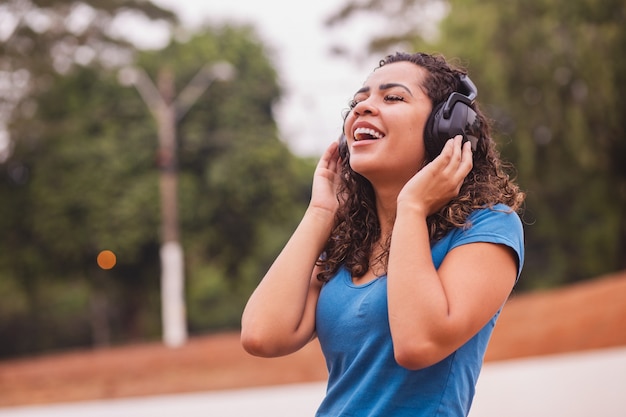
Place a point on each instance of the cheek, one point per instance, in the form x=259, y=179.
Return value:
x=415, y=134
x=414, y=149
x=417, y=130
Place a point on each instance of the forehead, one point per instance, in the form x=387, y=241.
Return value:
x=406, y=73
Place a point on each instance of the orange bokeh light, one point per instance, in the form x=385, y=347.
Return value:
x=106, y=259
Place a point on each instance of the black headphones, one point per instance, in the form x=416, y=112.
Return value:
x=452, y=117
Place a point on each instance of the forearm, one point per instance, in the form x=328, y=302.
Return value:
x=279, y=316
x=419, y=309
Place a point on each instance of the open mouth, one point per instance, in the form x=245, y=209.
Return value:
x=365, y=133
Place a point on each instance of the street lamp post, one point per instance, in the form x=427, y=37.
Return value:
x=168, y=109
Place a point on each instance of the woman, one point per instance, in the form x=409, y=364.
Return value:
x=405, y=255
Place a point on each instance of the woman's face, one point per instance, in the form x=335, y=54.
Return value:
x=385, y=126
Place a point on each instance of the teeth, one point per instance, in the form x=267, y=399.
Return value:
x=362, y=133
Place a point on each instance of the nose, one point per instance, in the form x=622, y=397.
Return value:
x=364, y=107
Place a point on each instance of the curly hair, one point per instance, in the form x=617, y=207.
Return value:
x=357, y=228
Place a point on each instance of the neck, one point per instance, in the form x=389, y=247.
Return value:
x=386, y=204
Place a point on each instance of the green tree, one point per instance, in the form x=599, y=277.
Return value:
x=237, y=178
x=86, y=184
x=41, y=37
x=39, y=40
x=551, y=73
x=82, y=177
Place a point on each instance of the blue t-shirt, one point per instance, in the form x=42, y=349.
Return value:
x=353, y=329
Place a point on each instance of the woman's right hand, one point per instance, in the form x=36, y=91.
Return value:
x=326, y=180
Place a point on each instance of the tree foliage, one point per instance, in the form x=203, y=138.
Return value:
x=551, y=74
x=40, y=38
x=86, y=183
x=39, y=42
x=83, y=177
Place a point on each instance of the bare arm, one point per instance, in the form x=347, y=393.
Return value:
x=280, y=315
x=433, y=312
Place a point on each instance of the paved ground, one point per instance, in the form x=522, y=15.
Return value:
x=538, y=357
x=589, y=384
x=575, y=385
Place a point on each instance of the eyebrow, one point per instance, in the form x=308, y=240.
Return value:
x=386, y=86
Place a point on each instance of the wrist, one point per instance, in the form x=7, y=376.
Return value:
x=320, y=214
x=411, y=207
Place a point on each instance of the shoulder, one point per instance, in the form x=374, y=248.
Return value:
x=498, y=224
x=499, y=219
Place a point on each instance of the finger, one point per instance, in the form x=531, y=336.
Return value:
x=464, y=165
x=451, y=155
x=330, y=156
x=443, y=159
x=467, y=160
x=457, y=149
x=335, y=156
x=334, y=163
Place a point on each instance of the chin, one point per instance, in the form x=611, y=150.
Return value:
x=362, y=164
x=383, y=171
x=370, y=170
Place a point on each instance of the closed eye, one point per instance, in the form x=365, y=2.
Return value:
x=388, y=98
x=393, y=97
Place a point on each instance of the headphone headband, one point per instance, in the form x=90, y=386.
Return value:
x=468, y=88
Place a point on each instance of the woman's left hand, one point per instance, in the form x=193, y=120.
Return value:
x=440, y=180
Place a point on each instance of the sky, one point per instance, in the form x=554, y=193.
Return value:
x=317, y=87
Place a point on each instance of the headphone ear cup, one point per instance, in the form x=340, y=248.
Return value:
x=452, y=117
x=432, y=132
x=438, y=130
x=464, y=121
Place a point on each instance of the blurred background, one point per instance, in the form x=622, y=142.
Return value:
x=140, y=139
